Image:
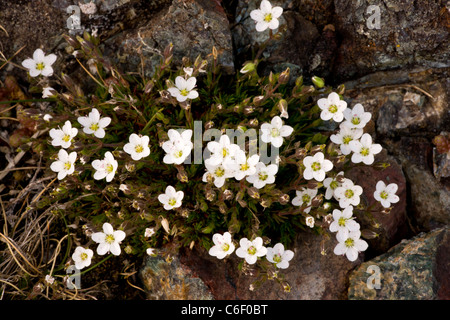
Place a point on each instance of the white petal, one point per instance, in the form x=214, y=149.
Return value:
x=38, y=55
x=50, y=59
x=29, y=63
x=107, y=228
x=115, y=249
x=261, y=26
x=277, y=12
x=190, y=83
x=103, y=248
x=340, y=249
x=257, y=15
x=274, y=24
x=352, y=254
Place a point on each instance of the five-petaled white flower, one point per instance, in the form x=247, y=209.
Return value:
x=137, y=147
x=309, y=221
x=108, y=240
x=316, y=166
x=251, y=250
x=345, y=136
x=350, y=244
x=105, y=168
x=184, y=89
x=223, y=245
x=304, y=197
x=266, y=16
x=279, y=256
x=275, y=131
x=65, y=163
x=218, y=173
x=385, y=194
x=221, y=151
x=343, y=220
x=63, y=137
x=40, y=64
x=356, y=117
x=82, y=257
x=242, y=165
x=178, y=147
x=364, y=150
x=149, y=232
x=93, y=124
x=348, y=194
x=263, y=175
x=331, y=184
x=171, y=198
x=332, y=107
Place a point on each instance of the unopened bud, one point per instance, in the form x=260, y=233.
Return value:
x=284, y=76
x=253, y=123
x=284, y=198
x=227, y=194
x=253, y=192
x=283, y=107
x=368, y=234
x=318, y=82
x=248, y=67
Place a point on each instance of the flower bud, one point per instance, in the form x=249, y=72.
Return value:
x=368, y=234
x=227, y=194
x=283, y=107
x=318, y=82
x=284, y=198
x=284, y=76
x=253, y=192
x=248, y=67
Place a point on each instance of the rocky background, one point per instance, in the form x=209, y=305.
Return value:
x=398, y=71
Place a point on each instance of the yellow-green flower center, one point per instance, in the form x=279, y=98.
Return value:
x=109, y=168
x=179, y=154
x=94, y=127
x=349, y=243
x=275, y=132
x=139, y=148
x=333, y=108
x=306, y=198
x=315, y=166
x=244, y=167
x=364, y=151
x=356, y=120
x=224, y=152
x=219, y=172
x=334, y=184
x=172, y=201
x=67, y=165
x=342, y=221
x=251, y=250
x=83, y=256
x=277, y=258
x=384, y=195
x=349, y=193
x=268, y=17
x=263, y=176
x=66, y=138
x=109, y=239
x=347, y=139
x=40, y=66
x=225, y=247
x=184, y=92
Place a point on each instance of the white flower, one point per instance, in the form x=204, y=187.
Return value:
x=364, y=150
x=310, y=221
x=263, y=175
x=242, y=165
x=93, y=124
x=82, y=257
x=150, y=251
x=356, y=117
x=47, y=92
x=221, y=150
x=279, y=256
x=345, y=136
x=343, y=220
x=47, y=117
x=65, y=164
x=223, y=245
x=63, y=137
x=304, y=197
x=350, y=244
x=49, y=279
x=266, y=16
x=179, y=147
x=386, y=194
x=251, y=250
x=108, y=240
x=106, y=168
x=149, y=232
x=183, y=89
x=188, y=71
x=331, y=184
x=275, y=131
x=348, y=194
x=316, y=166
x=137, y=147
x=40, y=64
x=219, y=173
x=332, y=107
x=171, y=198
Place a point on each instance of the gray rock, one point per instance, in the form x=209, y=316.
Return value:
x=415, y=269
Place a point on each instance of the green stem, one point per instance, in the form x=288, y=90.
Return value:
x=94, y=266
x=151, y=120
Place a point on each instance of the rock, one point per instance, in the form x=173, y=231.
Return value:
x=171, y=281
x=393, y=226
x=415, y=269
x=311, y=275
x=194, y=27
x=399, y=41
